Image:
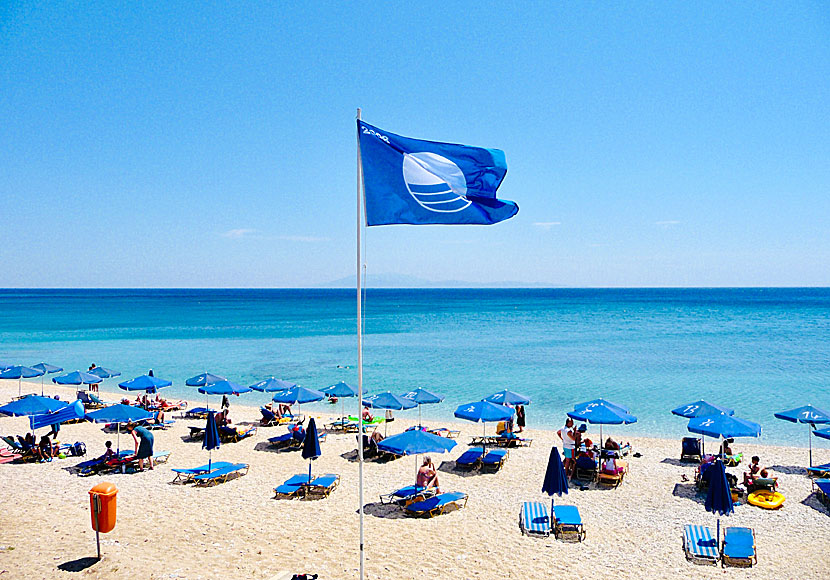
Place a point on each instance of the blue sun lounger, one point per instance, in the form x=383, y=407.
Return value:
x=534, y=519
x=494, y=459
x=292, y=486
x=406, y=495
x=568, y=523
x=699, y=545
x=739, y=547
x=470, y=458
x=819, y=470
x=221, y=475
x=437, y=504
x=823, y=490
x=197, y=413
x=187, y=475
x=320, y=487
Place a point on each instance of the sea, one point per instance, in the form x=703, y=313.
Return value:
x=756, y=350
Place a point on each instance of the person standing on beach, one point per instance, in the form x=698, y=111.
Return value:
x=92, y=387
x=520, y=418
x=144, y=448
x=568, y=437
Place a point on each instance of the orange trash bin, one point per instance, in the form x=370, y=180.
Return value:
x=105, y=493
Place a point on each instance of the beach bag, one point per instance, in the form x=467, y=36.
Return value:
x=78, y=449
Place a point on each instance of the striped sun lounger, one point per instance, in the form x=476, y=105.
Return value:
x=436, y=505
x=534, y=519
x=187, y=475
x=568, y=523
x=292, y=486
x=739, y=547
x=699, y=545
x=221, y=475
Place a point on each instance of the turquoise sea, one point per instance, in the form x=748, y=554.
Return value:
x=756, y=350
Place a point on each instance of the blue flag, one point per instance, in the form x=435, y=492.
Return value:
x=409, y=181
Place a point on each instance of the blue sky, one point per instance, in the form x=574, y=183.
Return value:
x=648, y=144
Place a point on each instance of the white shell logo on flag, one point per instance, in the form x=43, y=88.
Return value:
x=435, y=182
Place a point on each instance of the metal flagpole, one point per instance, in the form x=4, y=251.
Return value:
x=359, y=354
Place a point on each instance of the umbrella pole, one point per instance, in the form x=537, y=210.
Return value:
x=419, y=416
x=41, y=385
x=20, y=386
x=118, y=438
x=810, y=439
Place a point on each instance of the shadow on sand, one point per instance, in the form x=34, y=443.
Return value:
x=78, y=565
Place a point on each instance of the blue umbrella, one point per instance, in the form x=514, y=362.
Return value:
x=700, y=409
x=506, y=397
x=341, y=390
x=211, y=440
x=203, y=379
x=723, y=425
x=272, y=385
x=298, y=395
x=823, y=433
x=423, y=397
x=601, y=412
x=67, y=413
x=808, y=414
x=118, y=414
x=223, y=388
x=77, y=378
x=46, y=368
x=20, y=372
x=31, y=405
x=483, y=411
x=145, y=383
x=556, y=481
x=388, y=400
x=415, y=442
x=104, y=373
x=4, y=366
x=311, y=444
x=719, y=498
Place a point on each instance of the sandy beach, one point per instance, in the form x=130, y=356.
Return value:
x=237, y=530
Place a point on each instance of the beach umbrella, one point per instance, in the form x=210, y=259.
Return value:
x=340, y=390
x=272, y=385
x=719, y=497
x=505, y=397
x=145, y=383
x=20, y=372
x=485, y=412
x=77, y=378
x=724, y=426
x=47, y=369
x=222, y=388
x=416, y=442
x=601, y=412
x=69, y=412
x=118, y=414
x=211, y=440
x=298, y=395
x=311, y=445
x=808, y=414
x=422, y=396
x=104, y=373
x=31, y=405
x=556, y=481
x=700, y=409
x=388, y=400
x=203, y=379
x=823, y=433
x=4, y=365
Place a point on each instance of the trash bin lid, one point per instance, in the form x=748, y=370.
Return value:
x=104, y=488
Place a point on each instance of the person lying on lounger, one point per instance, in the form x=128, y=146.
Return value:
x=367, y=416
x=427, y=476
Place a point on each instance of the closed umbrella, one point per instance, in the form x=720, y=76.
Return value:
x=601, y=412
x=311, y=445
x=556, y=481
x=47, y=369
x=719, y=498
x=506, y=397
x=118, y=414
x=808, y=414
x=422, y=396
x=20, y=372
x=341, y=390
x=211, y=440
x=485, y=412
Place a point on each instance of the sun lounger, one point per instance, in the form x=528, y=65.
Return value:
x=197, y=413
x=470, y=459
x=509, y=440
x=221, y=475
x=585, y=469
x=739, y=547
x=234, y=435
x=292, y=486
x=819, y=470
x=534, y=519
x=733, y=460
x=823, y=490
x=568, y=523
x=762, y=483
x=610, y=479
x=187, y=475
x=691, y=450
x=343, y=425
x=437, y=504
x=494, y=459
x=320, y=487
x=699, y=545
x=444, y=432
x=407, y=495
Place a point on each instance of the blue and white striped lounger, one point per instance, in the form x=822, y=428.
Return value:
x=470, y=458
x=739, y=547
x=321, y=486
x=407, y=494
x=534, y=519
x=186, y=475
x=436, y=505
x=292, y=486
x=221, y=475
x=494, y=459
x=568, y=523
x=699, y=545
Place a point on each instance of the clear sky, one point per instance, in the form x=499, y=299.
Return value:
x=196, y=144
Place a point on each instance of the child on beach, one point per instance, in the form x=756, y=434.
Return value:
x=754, y=468
x=109, y=453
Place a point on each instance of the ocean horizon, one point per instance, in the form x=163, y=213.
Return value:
x=757, y=350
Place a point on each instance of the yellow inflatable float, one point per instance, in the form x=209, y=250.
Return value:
x=769, y=500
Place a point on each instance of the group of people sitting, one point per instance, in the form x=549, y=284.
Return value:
x=44, y=450
x=280, y=410
x=580, y=451
x=755, y=471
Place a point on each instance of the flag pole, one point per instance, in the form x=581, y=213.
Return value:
x=359, y=354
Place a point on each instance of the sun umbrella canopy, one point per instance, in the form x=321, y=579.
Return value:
x=67, y=413
x=602, y=412
x=272, y=385
x=723, y=425
x=145, y=383
x=506, y=397
x=700, y=409
x=20, y=372
x=118, y=414
x=556, y=481
x=805, y=414
x=719, y=498
x=389, y=400
x=77, y=378
x=340, y=390
x=311, y=443
x=104, y=373
x=203, y=379
x=423, y=397
x=31, y=405
x=46, y=368
x=484, y=411
x=298, y=395
x=416, y=442
x=823, y=433
x=223, y=388
x=4, y=365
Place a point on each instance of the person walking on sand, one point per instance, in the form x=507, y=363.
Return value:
x=144, y=448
